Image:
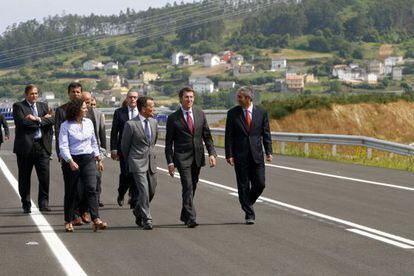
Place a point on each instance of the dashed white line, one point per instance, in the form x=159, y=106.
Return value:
x=379, y=238
x=67, y=261
x=360, y=227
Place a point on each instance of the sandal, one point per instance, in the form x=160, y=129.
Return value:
x=99, y=224
x=69, y=227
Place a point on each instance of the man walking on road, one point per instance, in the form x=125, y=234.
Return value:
x=33, y=146
x=121, y=115
x=138, y=147
x=3, y=123
x=247, y=128
x=187, y=128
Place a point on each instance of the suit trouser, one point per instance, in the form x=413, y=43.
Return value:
x=39, y=158
x=189, y=178
x=142, y=186
x=125, y=182
x=83, y=178
x=250, y=184
x=98, y=185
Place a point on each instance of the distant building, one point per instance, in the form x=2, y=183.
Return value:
x=337, y=69
x=226, y=55
x=211, y=60
x=280, y=85
x=393, y=61
x=115, y=80
x=397, y=73
x=376, y=67
x=246, y=68
x=310, y=78
x=226, y=85
x=181, y=59
x=175, y=58
x=371, y=78
x=111, y=66
x=146, y=77
x=236, y=60
x=203, y=85
x=278, y=63
x=91, y=65
x=295, y=82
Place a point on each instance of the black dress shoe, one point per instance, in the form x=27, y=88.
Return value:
x=120, y=201
x=138, y=219
x=45, y=209
x=192, y=224
x=101, y=204
x=27, y=210
x=147, y=226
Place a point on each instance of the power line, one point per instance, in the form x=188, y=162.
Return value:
x=176, y=28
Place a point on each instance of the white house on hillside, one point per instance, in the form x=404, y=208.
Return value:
x=278, y=63
x=175, y=58
x=91, y=65
x=111, y=66
x=211, y=60
x=203, y=85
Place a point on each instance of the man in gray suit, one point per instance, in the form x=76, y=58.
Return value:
x=187, y=129
x=138, y=147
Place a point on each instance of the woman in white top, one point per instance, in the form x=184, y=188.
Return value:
x=79, y=152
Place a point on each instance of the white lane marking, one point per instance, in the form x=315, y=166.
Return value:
x=330, y=175
x=379, y=238
x=68, y=262
x=310, y=212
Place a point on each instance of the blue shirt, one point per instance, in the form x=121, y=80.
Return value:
x=77, y=139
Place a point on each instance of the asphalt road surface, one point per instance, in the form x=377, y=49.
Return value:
x=315, y=218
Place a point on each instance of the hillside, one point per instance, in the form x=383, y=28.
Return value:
x=392, y=121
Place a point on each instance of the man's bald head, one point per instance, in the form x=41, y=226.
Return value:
x=87, y=98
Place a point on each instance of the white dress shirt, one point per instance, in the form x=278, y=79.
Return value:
x=77, y=139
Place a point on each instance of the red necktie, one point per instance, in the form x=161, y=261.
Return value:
x=190, y=123
x=248, y=119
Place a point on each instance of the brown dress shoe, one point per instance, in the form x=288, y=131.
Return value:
x=77, y=221
x=86, y=218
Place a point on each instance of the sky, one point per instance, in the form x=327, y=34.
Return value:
x=15, y=11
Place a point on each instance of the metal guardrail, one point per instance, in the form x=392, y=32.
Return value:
x=331, y=139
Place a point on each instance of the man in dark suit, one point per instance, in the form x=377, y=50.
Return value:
x=3, y=123
x=247, y=128
x=74, y=92
x=121, y=115
x=138, y=147
x=187, y=128
x=33, y=146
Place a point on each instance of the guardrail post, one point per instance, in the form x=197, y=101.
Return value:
x=333, y=150
x=306, y=149
x=282, y=147
x=369, y=153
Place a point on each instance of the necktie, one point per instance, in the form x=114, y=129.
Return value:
x=190, y=123
x=34, y=112
x=132, y=113
x=248, y=119
x=147, y=130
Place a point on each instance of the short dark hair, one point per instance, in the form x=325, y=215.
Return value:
x=29, y=88
x=142, y=102
x=247, y=91
x=73, y=108
x=185, y=89
x=74, y=85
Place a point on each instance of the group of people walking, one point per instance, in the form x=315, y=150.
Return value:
x=81, y=146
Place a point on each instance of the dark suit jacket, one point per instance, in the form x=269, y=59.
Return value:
x=118, y=122
x=181, y=147
x=3, y=123
x=60, y=117
x=239, y=141
x=26, y=129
